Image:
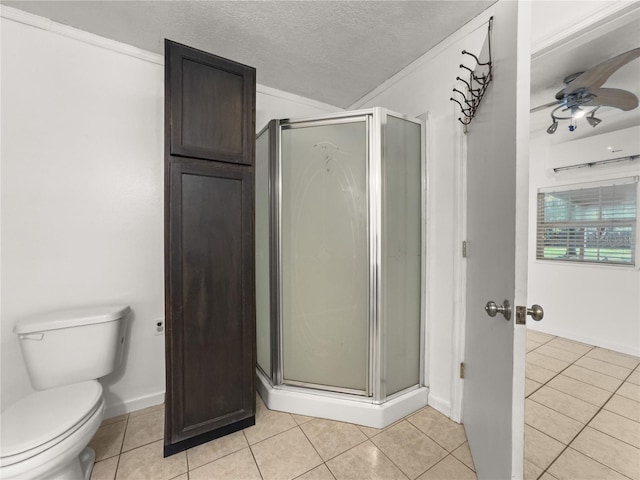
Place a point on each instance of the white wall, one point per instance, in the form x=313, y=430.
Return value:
x=598, y=305
x=82, y=211
x=82, y=190
x=272, y=103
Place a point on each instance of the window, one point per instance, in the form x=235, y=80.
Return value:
x=590, y=223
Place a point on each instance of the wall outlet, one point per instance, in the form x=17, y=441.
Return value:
x=159, y=326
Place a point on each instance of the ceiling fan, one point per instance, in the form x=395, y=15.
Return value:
x=582, y=95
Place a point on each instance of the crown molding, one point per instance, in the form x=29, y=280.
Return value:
x=606, y=19
x=274, y=92
x=48, y=25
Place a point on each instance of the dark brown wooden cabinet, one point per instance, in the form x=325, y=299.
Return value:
x=209, y=247
x=211, y=107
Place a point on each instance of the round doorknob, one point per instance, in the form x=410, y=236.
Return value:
x=492, y=309
x=536, y=312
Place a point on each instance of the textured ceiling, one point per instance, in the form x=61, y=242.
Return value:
x=330, y=51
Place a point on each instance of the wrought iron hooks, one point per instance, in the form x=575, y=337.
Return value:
x=479, y=79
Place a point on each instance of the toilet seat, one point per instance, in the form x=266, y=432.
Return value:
x=43, y=419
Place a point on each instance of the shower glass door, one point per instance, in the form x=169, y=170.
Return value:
x=324, y=254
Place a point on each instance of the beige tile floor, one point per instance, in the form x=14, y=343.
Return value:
x=582, y=421
x=425, y=445
x=582, y=411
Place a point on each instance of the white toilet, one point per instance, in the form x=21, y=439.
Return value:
x=45, y=435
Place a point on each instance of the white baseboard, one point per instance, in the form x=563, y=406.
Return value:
x=128, y=406
x=443, y=406
x=598, y=342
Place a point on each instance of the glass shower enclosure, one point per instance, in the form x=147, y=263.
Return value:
x=340, y=264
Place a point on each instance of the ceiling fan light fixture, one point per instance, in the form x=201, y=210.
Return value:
x=584, y=89
x=593, y=121
x=577, y=113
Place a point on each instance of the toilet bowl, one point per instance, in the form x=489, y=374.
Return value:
x=45, y=434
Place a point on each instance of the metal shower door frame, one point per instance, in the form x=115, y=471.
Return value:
x=375, y=119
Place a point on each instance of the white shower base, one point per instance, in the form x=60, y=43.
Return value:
x=361, y=411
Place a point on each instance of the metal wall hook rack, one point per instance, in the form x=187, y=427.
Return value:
x=478, y=81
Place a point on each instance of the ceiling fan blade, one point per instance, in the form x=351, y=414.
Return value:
x=596, y=76
x=614, y=97
x=546, y=105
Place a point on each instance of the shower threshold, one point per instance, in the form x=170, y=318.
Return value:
x=341, y=407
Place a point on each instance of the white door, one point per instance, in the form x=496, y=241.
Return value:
x=497, y=192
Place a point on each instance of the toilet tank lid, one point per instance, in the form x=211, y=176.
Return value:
x=70, y=318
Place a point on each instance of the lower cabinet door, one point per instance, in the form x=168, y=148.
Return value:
x=210, y=356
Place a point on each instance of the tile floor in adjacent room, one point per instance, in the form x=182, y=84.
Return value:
x=582, y=411
x=582, y=421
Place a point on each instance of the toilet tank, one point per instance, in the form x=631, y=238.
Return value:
x=74, y=345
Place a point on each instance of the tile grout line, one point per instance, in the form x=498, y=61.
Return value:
x=186, y=458
x=316, y=450
x=264, y=440
x=367, y=438
x=449, y=453
x=561, y=371
x=593, y=347
x=115, y=473
x=590, y=420
x=388, y=458
x=430, y=437
x=546, y=384
x=584, y=426
x=126, y=425
x=381, y=451
x=252, y=454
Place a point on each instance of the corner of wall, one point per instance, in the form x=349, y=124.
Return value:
x=440, y=404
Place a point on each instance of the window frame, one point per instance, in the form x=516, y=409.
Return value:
x=543, y=225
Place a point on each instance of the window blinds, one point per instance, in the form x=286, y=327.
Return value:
x=589, y=223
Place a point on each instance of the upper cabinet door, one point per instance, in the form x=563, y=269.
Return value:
x=213, y=111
